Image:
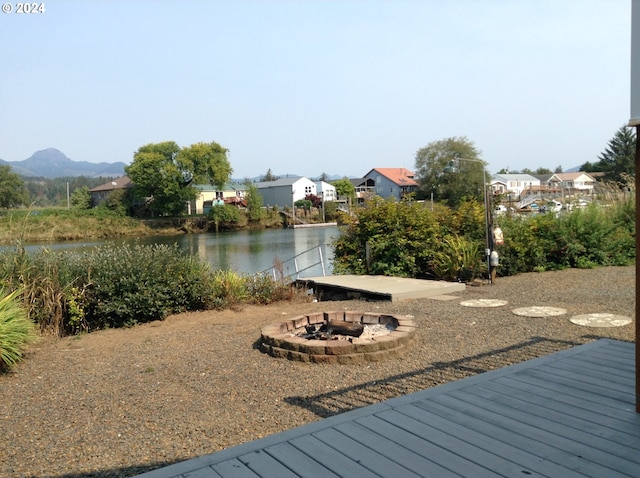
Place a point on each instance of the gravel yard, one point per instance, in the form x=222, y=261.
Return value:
x=117, y=403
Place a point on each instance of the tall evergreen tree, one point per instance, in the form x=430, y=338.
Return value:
x=617, y=162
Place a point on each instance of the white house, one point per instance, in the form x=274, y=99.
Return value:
x=326, y=191
x=285, y=191
x=516, y=184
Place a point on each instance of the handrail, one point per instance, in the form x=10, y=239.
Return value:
x=528, y=199
x=279, y=269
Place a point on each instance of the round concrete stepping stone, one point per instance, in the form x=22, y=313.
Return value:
x=601, y=320
x=484, y=303
x=539, y=311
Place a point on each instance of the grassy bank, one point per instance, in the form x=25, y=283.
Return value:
x=59, y=225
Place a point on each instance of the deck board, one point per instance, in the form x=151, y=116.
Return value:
x=569, y=414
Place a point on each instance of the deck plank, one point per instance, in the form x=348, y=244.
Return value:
x=438, y=457
x=560, y=433
x=549, y=406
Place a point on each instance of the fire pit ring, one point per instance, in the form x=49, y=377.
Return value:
x=295, y=339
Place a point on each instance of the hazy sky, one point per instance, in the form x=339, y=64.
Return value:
x=311, y=86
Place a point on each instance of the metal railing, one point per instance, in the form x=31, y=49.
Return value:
x=292, y=268
x=529, y=199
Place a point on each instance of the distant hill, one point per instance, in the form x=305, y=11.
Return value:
x=52, y=163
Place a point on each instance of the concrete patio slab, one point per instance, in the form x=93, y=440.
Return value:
x=379, y=287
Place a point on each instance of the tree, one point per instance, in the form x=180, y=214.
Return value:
x=431, y=162
x=269, y=176
x=254, y=204
x=13, y=192
x=81, y=198
x=162, y=173
x=344, y=188
x=316, y=201
x=159, y=179
x=617, y=162
x=207, y=162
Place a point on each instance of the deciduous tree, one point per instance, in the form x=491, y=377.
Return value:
x=163, y=173
x=254, y=204
x=344, y=188
x=13, y=192
x=207, y=162
x=468, y=181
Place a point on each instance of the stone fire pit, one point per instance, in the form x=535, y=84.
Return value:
x=384, y=336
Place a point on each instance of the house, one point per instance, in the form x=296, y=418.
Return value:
x=514, y=184
x=285, y=191
x=364, y=188
x=570, y=183
x=100, y=193
x=209, y=195
x=326, y=191
x=392, y=182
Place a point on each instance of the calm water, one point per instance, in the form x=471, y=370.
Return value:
x=247, y=251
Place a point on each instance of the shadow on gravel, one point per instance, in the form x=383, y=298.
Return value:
x=368, y=393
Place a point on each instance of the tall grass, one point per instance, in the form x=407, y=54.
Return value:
x=16, y=330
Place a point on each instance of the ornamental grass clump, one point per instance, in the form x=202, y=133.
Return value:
x=16, y=330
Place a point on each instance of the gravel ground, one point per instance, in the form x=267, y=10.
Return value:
x=121, y=402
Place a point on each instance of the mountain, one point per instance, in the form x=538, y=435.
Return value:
x=52, y=163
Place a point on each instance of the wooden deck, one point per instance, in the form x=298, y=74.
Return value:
x=569, y=414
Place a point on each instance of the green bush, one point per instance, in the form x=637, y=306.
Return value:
x=116, y=286
x=125, y=285
x=410, y=240
x=108, y=286
x=225, y=216
x=458, y=259
x=583, y=238
x=16, y=330
x=229, y=289
x=389, y=238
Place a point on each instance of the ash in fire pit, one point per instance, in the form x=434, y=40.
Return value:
x=332, y=330
x=338, y=337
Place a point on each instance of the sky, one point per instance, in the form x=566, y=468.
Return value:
x=307, y=87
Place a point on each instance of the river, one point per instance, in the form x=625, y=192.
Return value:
x=247, y=251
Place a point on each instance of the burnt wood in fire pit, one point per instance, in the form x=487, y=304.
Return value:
x=333, y=327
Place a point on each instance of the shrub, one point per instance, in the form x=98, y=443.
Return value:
x=16, y=330
x=459, y=259
x=126, y=285
x=108, y=286
x=224, y=216
x=407, y=239
x=389, y=238
x=229, y=289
